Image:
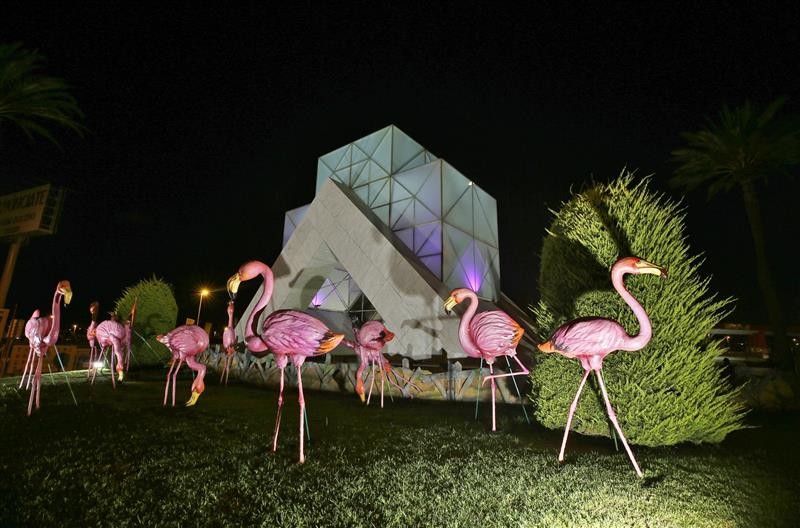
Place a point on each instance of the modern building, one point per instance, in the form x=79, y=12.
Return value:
x=391, y=231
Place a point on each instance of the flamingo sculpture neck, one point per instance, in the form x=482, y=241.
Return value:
x=55, y=326
x=253, y=341
x=638, y=341
x=467, y=343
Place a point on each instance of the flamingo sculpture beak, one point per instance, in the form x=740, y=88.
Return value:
x=388, y=336
x=233, y=285
x=653, y=269
x=67, y=295
x=193, y=399
x=449, y=304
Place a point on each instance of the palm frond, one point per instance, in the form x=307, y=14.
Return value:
x=742, y=144
x=32, y=100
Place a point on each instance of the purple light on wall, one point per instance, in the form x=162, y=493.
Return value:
x=473, y=274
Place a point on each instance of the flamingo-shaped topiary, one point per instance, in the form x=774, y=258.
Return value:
x=591, y=339
x=288, y=334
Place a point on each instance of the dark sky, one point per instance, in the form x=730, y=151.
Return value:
x=206, y=125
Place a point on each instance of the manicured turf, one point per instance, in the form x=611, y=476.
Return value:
x=121, y=459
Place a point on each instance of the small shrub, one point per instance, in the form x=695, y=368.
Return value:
x=156, y=313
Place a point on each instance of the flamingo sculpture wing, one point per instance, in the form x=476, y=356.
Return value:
x=591, y=339
x=228, y=343
x=186, y=343
x=111, y=333
x=487, y=335
x=288, y=334
x=42, y=333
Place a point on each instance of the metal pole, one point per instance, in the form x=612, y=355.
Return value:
x=8, y=270
x=200, y=305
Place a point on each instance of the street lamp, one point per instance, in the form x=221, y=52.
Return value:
x=203, y=293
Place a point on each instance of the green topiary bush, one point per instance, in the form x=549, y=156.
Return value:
x=156, y=313
x=669, y=392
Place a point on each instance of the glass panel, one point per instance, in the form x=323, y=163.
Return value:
x=383, y=213
x=485, y=217
x=433, y=244
x=413, y=179
x=430, y=193
x=454, y=185
x=383, y=153
x=357, y=173
x=407, y=236
x=379, y=193
x=404, y=149
x=323, y=173
x=433, y=263
x=402, y=214
x=369, y=143
x=363, y=193
x=375, y=172
x=460, y=215
x=332, y=159
x=423, y=215
x=356, y=154
x=419, y=160
x=345, y=160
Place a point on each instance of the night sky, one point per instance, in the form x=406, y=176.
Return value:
x=206, y=125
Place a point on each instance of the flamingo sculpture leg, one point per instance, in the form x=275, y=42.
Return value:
x=92, y=338
x=487, y=335
x=591, y=339
x=186, y=343
x=42, y=333
x=228, y=343
x=288, y=334
x=128, y=335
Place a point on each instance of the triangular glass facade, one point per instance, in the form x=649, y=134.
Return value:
x=443, y=217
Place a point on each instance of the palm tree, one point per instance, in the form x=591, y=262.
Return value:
x=745, y=145
x=32, y=100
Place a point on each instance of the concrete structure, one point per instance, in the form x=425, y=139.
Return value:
x=391, y=231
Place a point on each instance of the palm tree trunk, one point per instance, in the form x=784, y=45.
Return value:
x=780, y=341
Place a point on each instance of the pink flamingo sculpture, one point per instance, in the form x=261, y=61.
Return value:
x=228, y=343
x=111, y=333
x=591, y=339
x=185, y=343
x=288, y=334
x=369, y=341
x=91, y=336
x=42, y=333
x=487, y=335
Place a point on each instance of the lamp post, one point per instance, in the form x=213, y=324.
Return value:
x=203, y=293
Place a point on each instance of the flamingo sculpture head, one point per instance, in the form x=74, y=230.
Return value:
x=65, y=290
x=636, y=265
x=93, y=309
x=457, y=296
x=247, y=271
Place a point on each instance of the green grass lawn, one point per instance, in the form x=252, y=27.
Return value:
x=121, y=459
